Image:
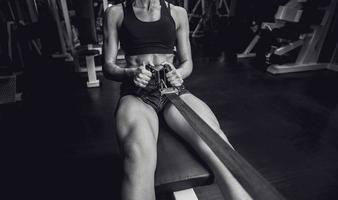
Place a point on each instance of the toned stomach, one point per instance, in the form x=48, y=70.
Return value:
x=154, y=59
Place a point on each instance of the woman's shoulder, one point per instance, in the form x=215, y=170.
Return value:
x=114, y=9
x=178, y=10
x=179, y=14
x=114, y=13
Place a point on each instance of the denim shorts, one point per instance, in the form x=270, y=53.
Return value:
x=149, y=95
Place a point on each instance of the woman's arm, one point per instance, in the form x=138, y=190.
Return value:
x=113, y=19
x=183, y=43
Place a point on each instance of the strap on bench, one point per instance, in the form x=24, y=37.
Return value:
x=252, y=181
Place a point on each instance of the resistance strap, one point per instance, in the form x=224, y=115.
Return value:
x=252, y=181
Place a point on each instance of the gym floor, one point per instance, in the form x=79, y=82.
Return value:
x=60, y=142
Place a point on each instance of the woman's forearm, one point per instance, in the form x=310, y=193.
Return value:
x=185, y=69
x=116, y=73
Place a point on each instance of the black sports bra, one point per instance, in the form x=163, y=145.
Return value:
x=139, y=37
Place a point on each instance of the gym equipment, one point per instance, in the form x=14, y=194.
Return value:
x=7, y=89
x=242, y=30
x=185, y=172
x=257, y=187
x=62, y=40
x=89, y=52
x=195, y=30
x=15, y=23
x=19, y=42
x=311, y=43
x=202, y=11
x=86, y=21
x=284, y=14
x=248, y=52
x=333, y=65
x=32, y=10
x=89, y=48
x=177, y=167
x=159, y=74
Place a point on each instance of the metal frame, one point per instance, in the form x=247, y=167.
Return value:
x=64, y=53
x=307, y=59
x=91, y=69
x=201, y=10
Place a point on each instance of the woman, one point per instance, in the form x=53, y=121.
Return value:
x=148, y=31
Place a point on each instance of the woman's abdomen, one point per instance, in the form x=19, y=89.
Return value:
x=154, y=59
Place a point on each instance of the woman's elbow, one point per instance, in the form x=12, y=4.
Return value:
x=107, y=72
x=189, y=69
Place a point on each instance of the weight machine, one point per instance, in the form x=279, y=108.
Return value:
x=19, y=43
x=200, y=11
x=90, y=47
x=311, y=45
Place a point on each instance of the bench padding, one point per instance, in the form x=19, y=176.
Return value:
x=178, y=167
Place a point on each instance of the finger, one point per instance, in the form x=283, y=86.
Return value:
x=139, y=84
x=171, y=79
x=179, y=75
x=140, y=80
x=179, y=82
x=142, y=68
x=151, y=63
x=176, y=83
x=146, y=72
x=172, y=68
x=175, y=79
x=168, y=63
x=170, y=74
x=144, y=77
x=175, y=76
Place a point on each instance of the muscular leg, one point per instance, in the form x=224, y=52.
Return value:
x=229, y=186
x=137, y=127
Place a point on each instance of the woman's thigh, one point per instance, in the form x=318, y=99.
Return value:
x=137, y=123
x=177, y=122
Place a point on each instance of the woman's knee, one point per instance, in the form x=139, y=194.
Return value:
x=140, y=154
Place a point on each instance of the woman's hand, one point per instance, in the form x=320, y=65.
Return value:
x=142, y=76
x=173, y=76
